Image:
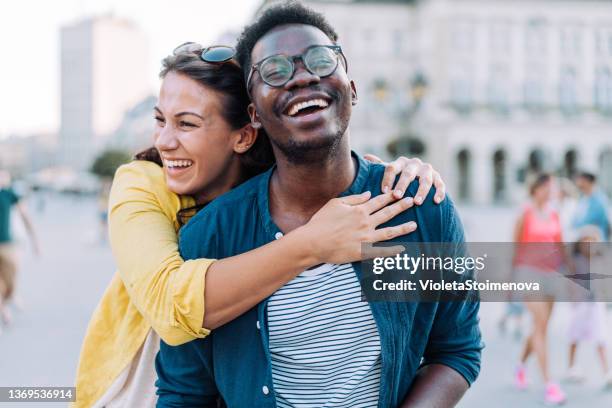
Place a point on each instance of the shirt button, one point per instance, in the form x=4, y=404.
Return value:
x=265, y=390
x=278, y=235
x=258, y=326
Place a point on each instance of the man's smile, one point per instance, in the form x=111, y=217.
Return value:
x=307, y=107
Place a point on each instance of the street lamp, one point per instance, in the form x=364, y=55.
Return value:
x=408, y=142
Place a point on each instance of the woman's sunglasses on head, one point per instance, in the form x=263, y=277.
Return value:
x=213, y=54
x=277, y=70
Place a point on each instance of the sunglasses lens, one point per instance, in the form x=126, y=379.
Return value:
x=321, y=61
x=276, y=70
x=218, y=54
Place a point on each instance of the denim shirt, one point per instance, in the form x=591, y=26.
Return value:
x=234, y=362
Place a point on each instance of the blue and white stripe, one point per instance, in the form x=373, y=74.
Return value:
x=324, y=341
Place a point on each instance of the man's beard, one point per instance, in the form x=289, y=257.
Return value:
x=311, y=151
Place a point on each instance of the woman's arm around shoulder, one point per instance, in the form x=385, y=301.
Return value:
x=167, y=291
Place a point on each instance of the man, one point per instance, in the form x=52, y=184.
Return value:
x=315, y=342
x=592, y=208
x=8, y=267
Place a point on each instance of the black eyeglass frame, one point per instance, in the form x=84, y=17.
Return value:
x=255, y=67
x=201, y=51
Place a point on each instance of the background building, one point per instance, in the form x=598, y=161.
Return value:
x=489, y=91
x=103, y=66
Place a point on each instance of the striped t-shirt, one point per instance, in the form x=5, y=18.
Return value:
x=324, y=342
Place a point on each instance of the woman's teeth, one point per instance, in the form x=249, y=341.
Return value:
x=178, y=163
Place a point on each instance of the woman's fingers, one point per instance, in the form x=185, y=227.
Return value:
x=390, y=211
x=387, y=233
x=378, y=202
x=426, y=176
x=407, y=175
x=373, y=158
x=356, y=199
x=440, y=189
x=391, y=171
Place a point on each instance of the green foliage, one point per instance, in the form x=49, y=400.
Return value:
x=108, y=161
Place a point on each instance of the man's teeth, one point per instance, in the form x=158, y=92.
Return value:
x=321, y=103
x=178, y=163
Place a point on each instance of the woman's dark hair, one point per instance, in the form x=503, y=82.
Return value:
x=151, y=154
x=538, y=182
x=227, y=79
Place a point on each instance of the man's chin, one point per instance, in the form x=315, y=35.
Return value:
x=310, y=148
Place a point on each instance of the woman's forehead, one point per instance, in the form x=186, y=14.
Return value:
x=179, y=92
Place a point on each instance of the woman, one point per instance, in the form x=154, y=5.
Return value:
x=539, y=255
x=205, y=145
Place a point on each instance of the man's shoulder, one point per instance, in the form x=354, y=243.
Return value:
x=434, y=221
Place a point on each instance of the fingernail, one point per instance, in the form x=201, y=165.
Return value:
x=437, y=199
x=418, y=199
x=385, y=189
x=409, y=200
x=398, y=193
x=412, y=224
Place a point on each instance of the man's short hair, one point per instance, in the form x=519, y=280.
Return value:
x=291, y=12
x=590, y=177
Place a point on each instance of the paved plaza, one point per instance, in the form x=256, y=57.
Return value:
x=61, y=288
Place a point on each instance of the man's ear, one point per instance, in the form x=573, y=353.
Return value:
x=246, y=138
x=254, y=116
x=354, y=97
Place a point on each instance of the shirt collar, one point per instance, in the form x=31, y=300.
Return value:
x=263, y=197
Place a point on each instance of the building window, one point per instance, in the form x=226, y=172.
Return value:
x=500, y=40
x=462, y=36
x=536, y=37
x=397, y=43
x=567, y=92
x=571, y=40
x=497, y=90
x=533, y=91
x=461, y=95
x=603, y=90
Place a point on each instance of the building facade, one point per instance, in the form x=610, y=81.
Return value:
x=490, y=91
x=103, y=66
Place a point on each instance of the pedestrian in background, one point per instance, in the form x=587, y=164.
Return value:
x=8, y=264
x=538, y=225
x=592, y=207
x=588, y=319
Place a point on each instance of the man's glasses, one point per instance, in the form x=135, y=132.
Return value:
x=214, y=54
x=277, y=70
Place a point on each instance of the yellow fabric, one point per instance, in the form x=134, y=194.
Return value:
x=154, y=287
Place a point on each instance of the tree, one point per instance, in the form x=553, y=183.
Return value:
x=108, y=161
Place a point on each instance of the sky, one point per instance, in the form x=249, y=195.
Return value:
x=29, y=46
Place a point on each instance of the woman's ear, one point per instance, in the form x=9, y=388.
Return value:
x=246, y=137
x=254, y=116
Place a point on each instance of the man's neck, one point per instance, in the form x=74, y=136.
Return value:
x=297, y=191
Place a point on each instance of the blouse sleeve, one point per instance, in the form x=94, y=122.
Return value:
x=167, y=291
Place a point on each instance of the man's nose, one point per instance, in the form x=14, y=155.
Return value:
x=301, y=77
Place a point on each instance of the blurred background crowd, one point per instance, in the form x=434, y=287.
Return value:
x=493, y=93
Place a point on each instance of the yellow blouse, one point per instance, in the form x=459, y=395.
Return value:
x=154, y=287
